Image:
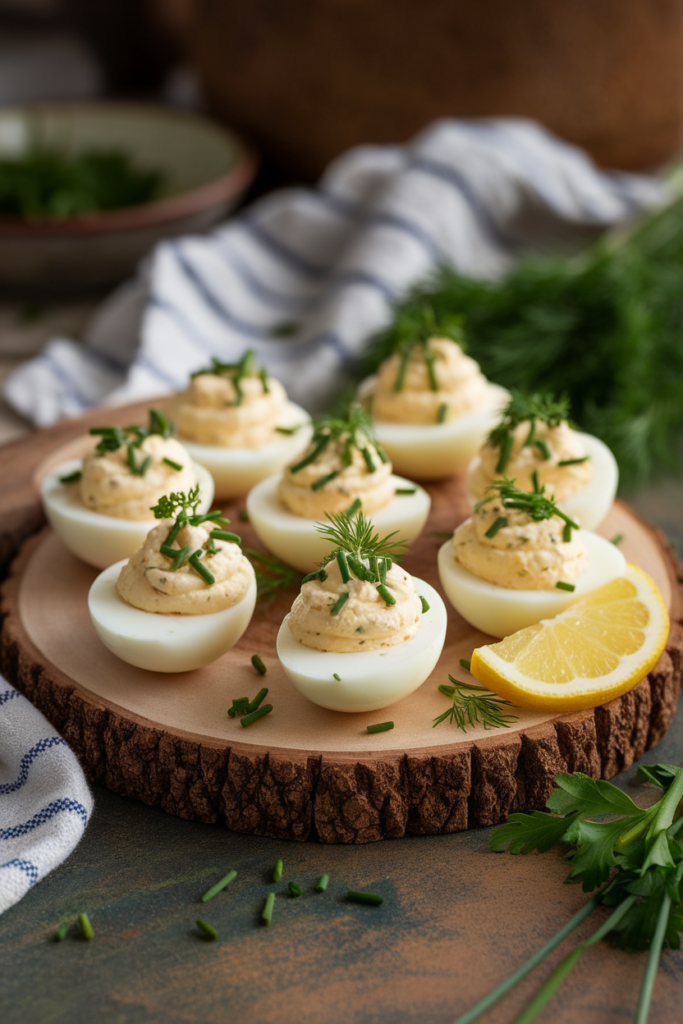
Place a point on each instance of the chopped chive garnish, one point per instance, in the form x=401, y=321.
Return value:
x=61, y=932
x=425, y=604
x=567, y=533
x=381, y=727
x=86, y=928
x=71, y=478
x=383, y=571
x=573, y=462
x=343, y=566
x=257, y=701
x=319, y=574
x=467, y=665
x=543, y=447
x=200, y=568
x=364, y=897
x=294, y=888
x=277, y=870
x=617, y=539
x=403, y=366
x=442, y=413
x=565, y=586
x=505, y=453
x=219, y=886
x=383, y=457
x=335, y=676
x=244, y=515
x=500, y=522
x=386, y=594
x=369, y=461
x=312, y=455
x=263, y=374
x=322, y=882
x=172, y=464
x=287, y=430
x=210, y=933
x=321, y=481
x=258, y=664
x=239, y=704
x=358, y=568
x=405, y=490
x=180, y=557
x=535, y=482
x=254, y=716
x=226, y=535
x=352, y=509
x=339, y=603
x=267, y=915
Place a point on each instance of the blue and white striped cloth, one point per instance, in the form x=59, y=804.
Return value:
x=45, y=802
x=328, y=262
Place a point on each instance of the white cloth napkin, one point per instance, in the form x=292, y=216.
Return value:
x=327, y=263
x=45, y=802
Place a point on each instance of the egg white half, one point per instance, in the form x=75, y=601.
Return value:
x=500, y=611
x=368, y=680
x=296, y=541
x=432, y=451
x=91, y=536
x=590, y=505
x=236, y=470
x=164, y=643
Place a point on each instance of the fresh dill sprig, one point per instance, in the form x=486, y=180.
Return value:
x=472, y=705
x=531, y=409
x=237, y=373
x=177, y=504
x=272, y=575
x=357, y=537
x=354, y=430
x=535, y=503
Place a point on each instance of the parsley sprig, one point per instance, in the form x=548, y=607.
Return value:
x=182, y=508
x=637, y=857
x=531, y=409
x=237, y=373
x=355, y=431
x=113, y=438
x=535, y=503
x=472, y=705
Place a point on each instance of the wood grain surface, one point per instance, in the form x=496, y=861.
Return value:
x=304, y=772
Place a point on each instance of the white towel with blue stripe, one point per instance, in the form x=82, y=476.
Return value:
x=45, y=802
x=305, y=275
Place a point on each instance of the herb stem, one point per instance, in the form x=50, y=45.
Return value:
x=386, y=594
x=86, y=928
x=318, y=484
x=277, y=870
x=267, y=914
x=648, y=982
x=258, y=665
x=381, y=727
x=200, y=568
x=505, y=453
x=321, y=884
x=209, y=931
x=364, y=897
x=225, y=535
x=343, y=566
x=339, y=603
x=219, y=886
x=254, y=716
x=258, y=700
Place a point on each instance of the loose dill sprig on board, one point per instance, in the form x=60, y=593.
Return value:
x=534, y=503
x=272, y=575
x=237, y=373
x=472, y=705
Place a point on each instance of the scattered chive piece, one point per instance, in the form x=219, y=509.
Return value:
x=425, y=604
x=254, y=716
x=321, y=884
x=258, y=664
x=335, y=676
x=505, y=453
x=573, y=462
x=71, y=478
x=405, y=490
x=369, y=461
x=287, y=430
x=617, y=539
x=352, y=509
x=267, y=915
x=560, y=585
x=339, y=603
x=218, y=887
x=277, y=870
x=567, y=533
x=257, y=701
x=209, y=932
x=442, y=414
x=294, y=888
x=386, y=594
x=200, y=568
x=61, y=932
x=172, y=464
x=86, y=927
x=225, y=535
x=364, y=897
x=381, y=727
x=244, y=515
x=542, y=447
x=321, y=481
x=466, y=664
x=343, y=566
x=500, y=522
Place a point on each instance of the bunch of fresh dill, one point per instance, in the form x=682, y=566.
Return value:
x=604, y=328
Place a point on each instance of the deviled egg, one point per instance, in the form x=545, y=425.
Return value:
x=432, y=406
x=238, y=422
x=183, y=599
x=362, y=633
x=533, y=436
x=344, y=470
x=101, y=506
x=520, y=559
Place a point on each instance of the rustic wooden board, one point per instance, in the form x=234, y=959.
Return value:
x=303, y=772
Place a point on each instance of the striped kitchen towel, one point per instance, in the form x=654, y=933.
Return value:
x=45, y=802
x=305, y=275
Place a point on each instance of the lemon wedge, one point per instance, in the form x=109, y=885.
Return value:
x=592, y=652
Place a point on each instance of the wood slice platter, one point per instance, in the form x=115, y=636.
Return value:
x=302, y=772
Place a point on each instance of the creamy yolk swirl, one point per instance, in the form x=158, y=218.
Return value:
x=305, y=494
x=462, y=387
x=109, y=486
x=525, y=554
x=563, y=443
x=146, y=581
x=212, y=411
x=365, y=622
